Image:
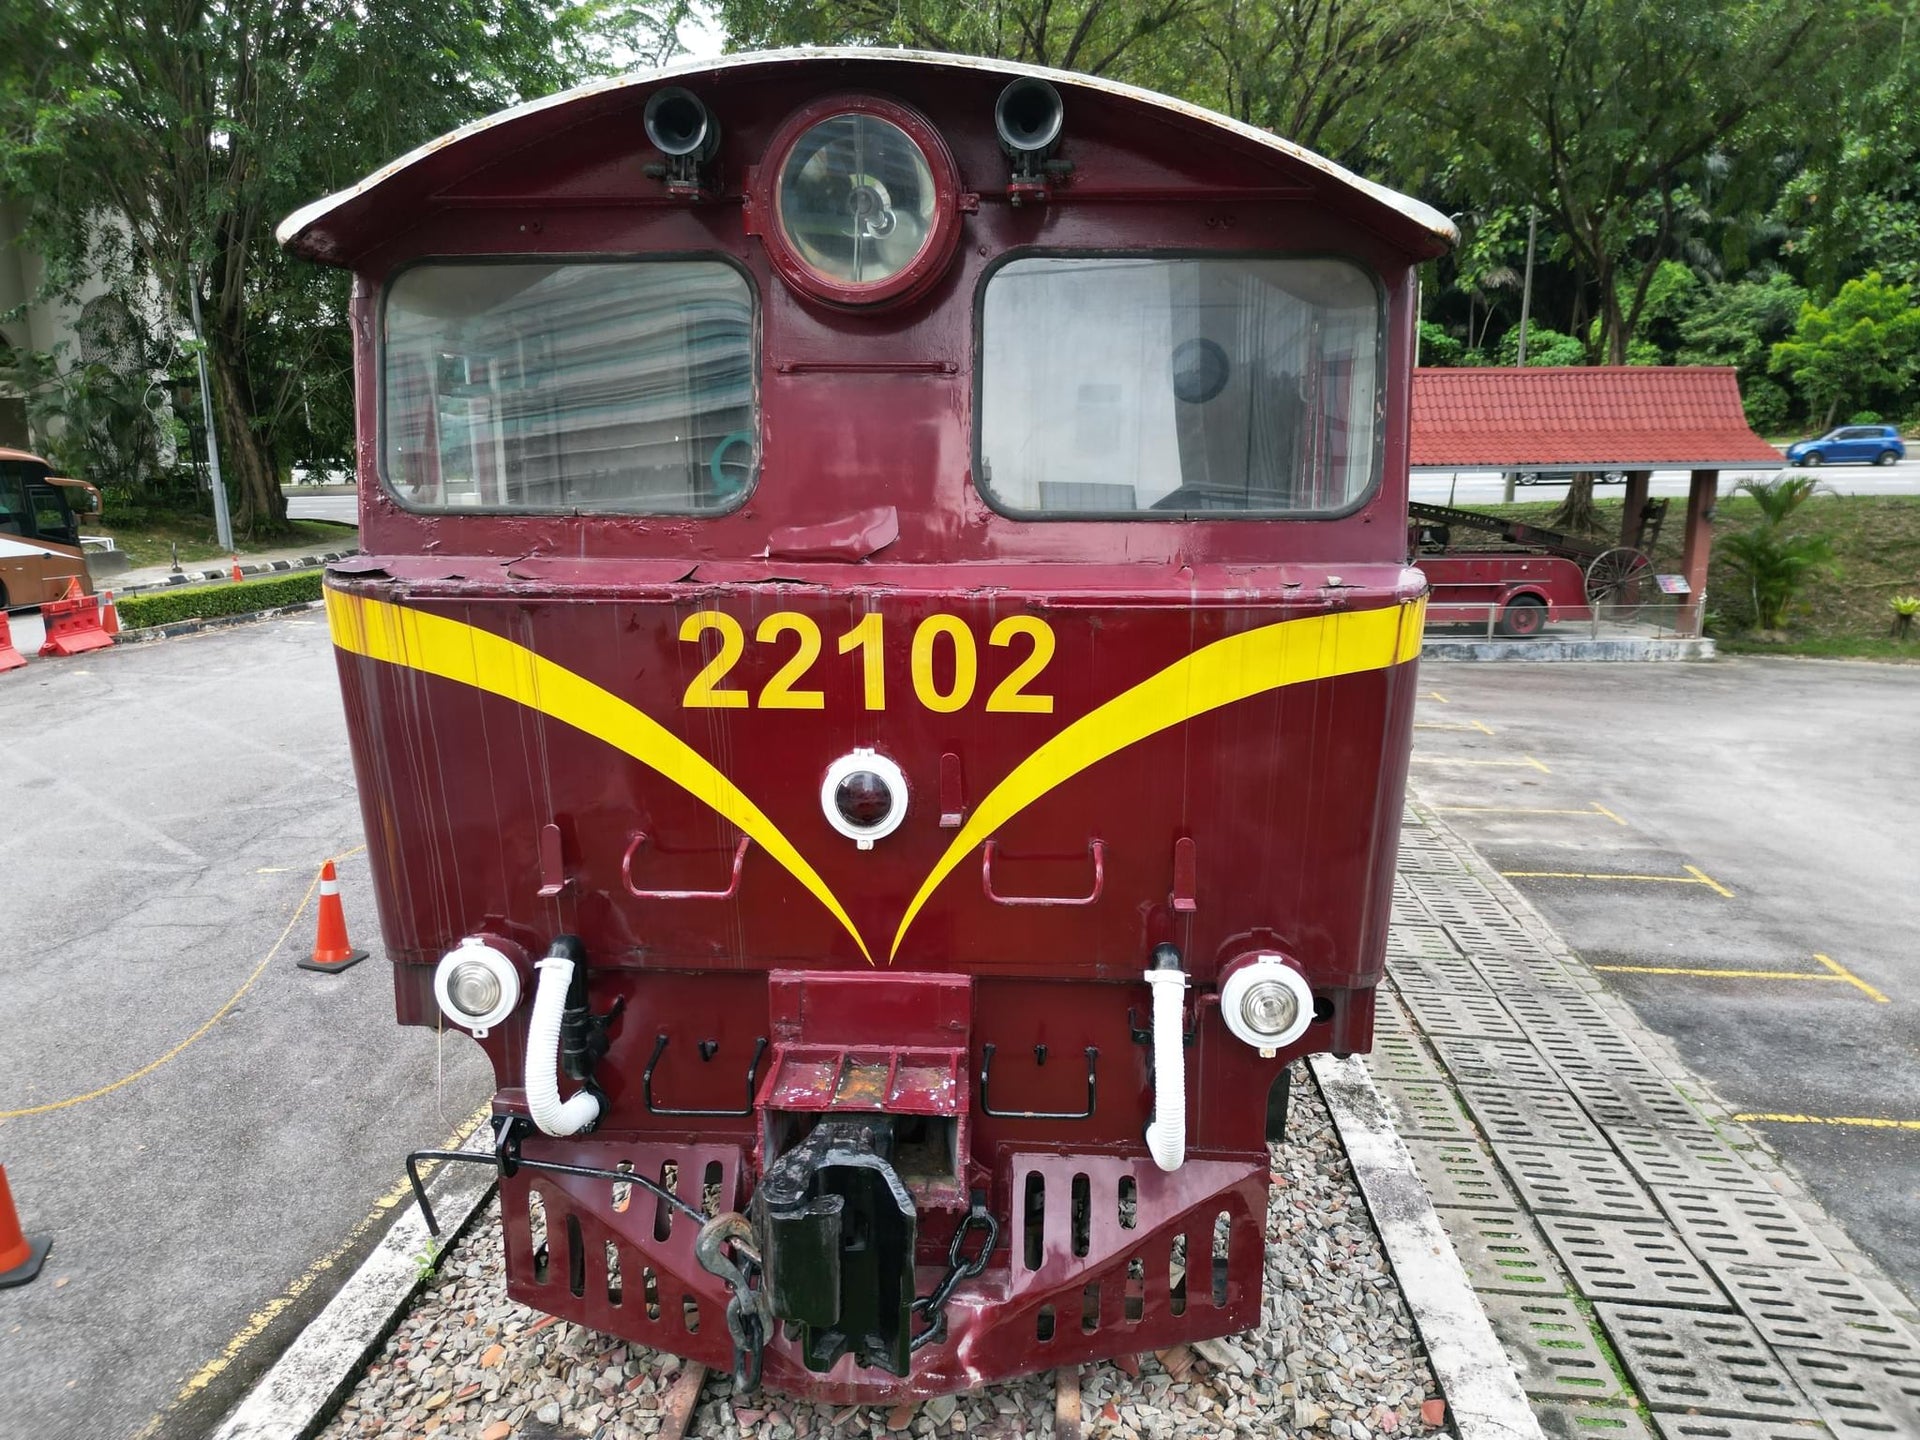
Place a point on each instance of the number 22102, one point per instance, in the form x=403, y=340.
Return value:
x=948, y=690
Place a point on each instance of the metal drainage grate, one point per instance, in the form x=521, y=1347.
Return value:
x=1460, y=1173
x=1501, y=1250
x=1552, y=1346
x=1621, y=1100
x=1545, y=1009
x=1642, y=1261
x=1462, y=1013
x=1819, y=1310
x=1415, y=936
x=1428, y=1112
x=1504, y=1064
x=1538, y=1117
x=1436, y=975
x=1562, y=1421
x=1727, y=1227
x=1688, y=1157
x=1860, y=1398
x=1398, y=1056
x=1718, y=1427
x=1553, y=1181
x=1714, y=1364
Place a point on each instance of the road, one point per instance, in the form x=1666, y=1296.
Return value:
x=1483, y=487
x=1732, y=845
x=198, y=1124
x=344, y=509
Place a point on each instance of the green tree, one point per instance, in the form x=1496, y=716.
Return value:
x=1739, y=323
x=1609, y=115
x=158, y=141
x=1101, y=37
x=1863, y=347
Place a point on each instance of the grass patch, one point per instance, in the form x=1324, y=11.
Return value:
x=150, y=541
x=1876, y=547
x=204, y=602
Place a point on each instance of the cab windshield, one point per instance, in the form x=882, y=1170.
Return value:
x=622, y=387
x=1133, y=387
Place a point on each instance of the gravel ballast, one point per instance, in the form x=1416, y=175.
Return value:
x=1336, y=1355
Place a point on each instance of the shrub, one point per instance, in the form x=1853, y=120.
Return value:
x=204, y=602
x=1766, y=403
x=1864, y=417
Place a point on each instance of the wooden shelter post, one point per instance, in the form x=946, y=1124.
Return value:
x=1698, y=548
x=1636, y=502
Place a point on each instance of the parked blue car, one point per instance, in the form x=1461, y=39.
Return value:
x=1850, y=445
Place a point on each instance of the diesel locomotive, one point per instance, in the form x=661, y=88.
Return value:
x=880, y=683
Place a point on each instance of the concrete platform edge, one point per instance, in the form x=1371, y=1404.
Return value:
x=297, y=1396
x=1606, y=649
x=1483, y=1394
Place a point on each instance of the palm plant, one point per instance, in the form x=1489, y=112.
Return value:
x=1777, y=564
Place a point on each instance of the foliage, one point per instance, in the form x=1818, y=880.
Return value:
x=1865, y=345
x=1904, y=608
x=1437, y=347
x=204, y=602
x=1544, y=347
x=159, y=140
x=1622, y=122
x=1775, y=562
x=1738, y=323
x=1767, y=404
x=94, y=420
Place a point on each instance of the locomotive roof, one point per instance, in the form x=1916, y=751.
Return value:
x=334, y=229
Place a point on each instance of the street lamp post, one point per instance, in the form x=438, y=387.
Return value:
x=222, y=525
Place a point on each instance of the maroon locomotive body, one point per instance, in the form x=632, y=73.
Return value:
x=880, y=683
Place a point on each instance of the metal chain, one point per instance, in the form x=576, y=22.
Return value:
x=959, y=1268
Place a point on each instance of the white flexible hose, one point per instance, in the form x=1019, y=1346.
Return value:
x=1167, y=1135
x=543, y=1056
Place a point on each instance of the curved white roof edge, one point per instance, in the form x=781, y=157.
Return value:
x=1419, y=213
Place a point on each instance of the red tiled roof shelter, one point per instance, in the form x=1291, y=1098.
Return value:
x=1601, y=417
x=1636, y=418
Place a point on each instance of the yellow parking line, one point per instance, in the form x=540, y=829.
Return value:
x=1446, y=725
x=1694, y=877
x=1868, y=1122
x=1436, y=695
x=1529, y=763
x=1715, y=974
x=1608, y=813
x=1832, y=973
x=1840, y=972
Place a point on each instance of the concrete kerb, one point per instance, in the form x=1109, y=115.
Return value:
x=294, y=1399
x=1483, y=1393
x=1606, y=648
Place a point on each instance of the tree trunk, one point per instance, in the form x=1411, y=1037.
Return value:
x=261, y=512
x=1577, y=512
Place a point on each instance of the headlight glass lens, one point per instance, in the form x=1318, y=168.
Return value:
x=1269, y=1008
x=473, y=988
x=856, y=199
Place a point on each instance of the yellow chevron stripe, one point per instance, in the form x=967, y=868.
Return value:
x=468, y=655
x=1290, y=652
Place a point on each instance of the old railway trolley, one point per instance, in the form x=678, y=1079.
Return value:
x=880, y=683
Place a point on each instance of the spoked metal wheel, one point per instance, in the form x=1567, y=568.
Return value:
x=1618, y=581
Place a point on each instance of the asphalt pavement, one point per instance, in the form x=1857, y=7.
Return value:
x=1732, y=845
x=204, y=1130
x=345, y=509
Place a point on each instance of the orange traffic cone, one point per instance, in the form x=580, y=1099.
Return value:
x=20, y=1258
x=109, y=613
x=237, y=576
x=332, y=951
x=73, y=591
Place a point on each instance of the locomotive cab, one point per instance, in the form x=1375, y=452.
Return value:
x=880, y=682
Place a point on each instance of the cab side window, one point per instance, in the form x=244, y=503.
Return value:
x=13, y=506
x=52, y=520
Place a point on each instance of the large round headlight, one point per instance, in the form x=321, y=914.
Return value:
x=476, y=986
x=864, y=201
x=1267, y=1003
